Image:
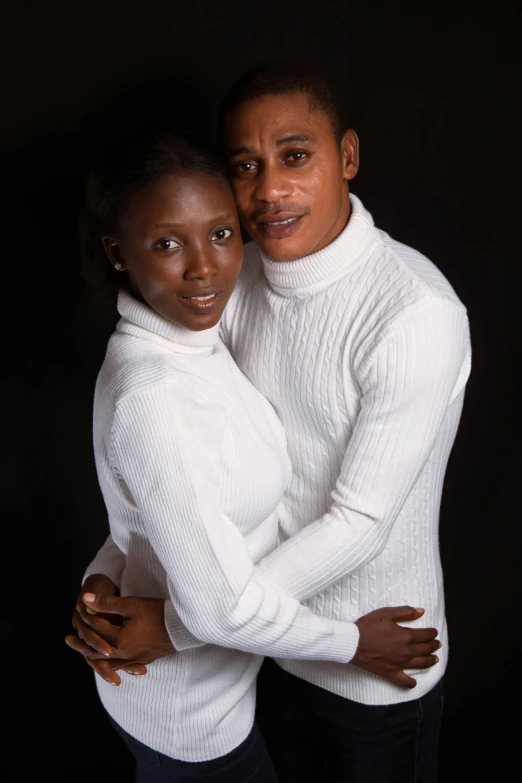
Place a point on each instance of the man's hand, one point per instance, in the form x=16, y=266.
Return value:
x=139, y=638
x=386, y=648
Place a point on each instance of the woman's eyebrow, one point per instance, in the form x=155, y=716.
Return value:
x=294, y=138
x=217, y=219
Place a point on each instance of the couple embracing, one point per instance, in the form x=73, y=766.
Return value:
x=272, y=425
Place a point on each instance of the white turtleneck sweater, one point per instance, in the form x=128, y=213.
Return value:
x=192, y=464
x=363, y=350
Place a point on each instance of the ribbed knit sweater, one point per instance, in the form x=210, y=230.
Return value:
x=363, y=349
x=192, y=463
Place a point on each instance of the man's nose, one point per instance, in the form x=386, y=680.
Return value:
x=200, y=265
x=272, y=184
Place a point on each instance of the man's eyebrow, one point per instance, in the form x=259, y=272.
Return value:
x=294, y=138
x=290, y=138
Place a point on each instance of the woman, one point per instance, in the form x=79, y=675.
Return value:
x=192, y=463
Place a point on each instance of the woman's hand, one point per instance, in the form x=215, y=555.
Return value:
x=386, y=648
x=139, y=638
x=92, y=645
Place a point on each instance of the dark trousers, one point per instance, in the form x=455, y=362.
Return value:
x=314, y=736
x=248, y=763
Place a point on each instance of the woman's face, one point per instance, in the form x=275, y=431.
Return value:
x=180, y=245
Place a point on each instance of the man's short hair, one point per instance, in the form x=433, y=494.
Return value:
x=281, y=78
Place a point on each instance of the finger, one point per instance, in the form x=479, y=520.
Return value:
x=108, y=669
x=101, y=626
x=111, y=604
x=131, y=668
x=109, y=675
x=424, y=662
x=426, y=648
x=104, y=668
x=419, y=635
x=94, y=640
x=77, y=644
x=402, y=613
x=404, y=680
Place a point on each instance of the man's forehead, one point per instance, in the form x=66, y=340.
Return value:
x=275, y=120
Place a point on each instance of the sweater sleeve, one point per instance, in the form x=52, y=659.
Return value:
x=165, y=449
x=415, y=371
x=110, y=561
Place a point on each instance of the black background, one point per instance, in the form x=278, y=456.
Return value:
x=432, y=90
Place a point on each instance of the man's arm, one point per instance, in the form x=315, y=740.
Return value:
x=416, y=370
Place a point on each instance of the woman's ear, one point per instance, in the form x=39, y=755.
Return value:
x=113, y=251
x=350, y=154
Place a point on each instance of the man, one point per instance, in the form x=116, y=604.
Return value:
x=363, y=348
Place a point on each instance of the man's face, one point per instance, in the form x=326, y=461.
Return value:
x=289, y=174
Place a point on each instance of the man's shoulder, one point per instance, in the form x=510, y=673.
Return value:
x=415, y=276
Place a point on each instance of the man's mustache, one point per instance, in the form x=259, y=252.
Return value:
x=274, y=209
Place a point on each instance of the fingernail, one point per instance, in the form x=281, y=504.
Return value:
x=440, y=645
x=436, y=658
x=134, y=673
x=89, y=597
x=420, y=609
x=110, y=681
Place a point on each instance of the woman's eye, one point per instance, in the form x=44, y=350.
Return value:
x=223, y=233
x=245, y=167
x=167, y=244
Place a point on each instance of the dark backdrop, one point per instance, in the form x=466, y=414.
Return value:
x=431, y=89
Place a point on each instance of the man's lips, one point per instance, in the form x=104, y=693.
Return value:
x=280, y=225
x=202, y=301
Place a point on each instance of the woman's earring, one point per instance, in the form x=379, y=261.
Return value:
x=118, y=267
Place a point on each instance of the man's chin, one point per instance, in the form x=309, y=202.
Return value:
x=280, y=249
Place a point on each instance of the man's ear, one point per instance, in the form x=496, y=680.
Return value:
x=350, y=154
x=113, y=251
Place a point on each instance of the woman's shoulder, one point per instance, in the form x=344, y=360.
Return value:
x=136, y=369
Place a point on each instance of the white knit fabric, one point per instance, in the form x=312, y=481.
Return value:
x=192, y=462
x=363, y=350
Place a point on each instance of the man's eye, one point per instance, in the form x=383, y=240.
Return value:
x=167, y=244
x=298, y=156
x=222, y=233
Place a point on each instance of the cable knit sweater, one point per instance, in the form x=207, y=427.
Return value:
x=363, y=350
x=192, y=463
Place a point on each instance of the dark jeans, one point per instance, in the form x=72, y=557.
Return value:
x=248, y=763
x=314, y=736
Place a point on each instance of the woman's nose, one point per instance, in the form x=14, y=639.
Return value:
x=200, y=266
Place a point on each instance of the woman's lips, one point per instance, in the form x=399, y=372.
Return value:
x=279, y=226
x=202, y=303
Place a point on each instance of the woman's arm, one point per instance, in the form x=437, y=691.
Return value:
x=165, y=448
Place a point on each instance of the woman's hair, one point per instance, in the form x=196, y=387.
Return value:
x=121, y=170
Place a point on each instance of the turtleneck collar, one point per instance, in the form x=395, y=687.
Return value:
x=318, y=270
x=142, y=321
